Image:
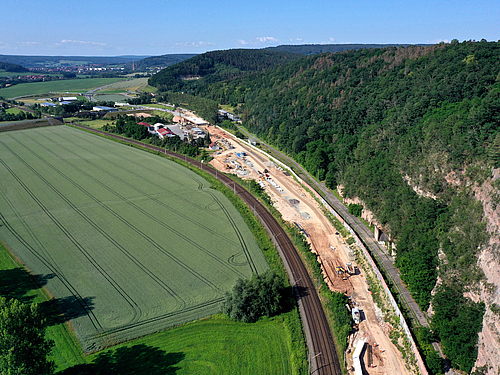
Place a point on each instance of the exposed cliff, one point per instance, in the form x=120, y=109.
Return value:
x=488, y=194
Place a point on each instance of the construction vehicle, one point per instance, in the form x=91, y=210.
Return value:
x=342, y=272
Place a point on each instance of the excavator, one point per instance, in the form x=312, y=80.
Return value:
x=341, y=272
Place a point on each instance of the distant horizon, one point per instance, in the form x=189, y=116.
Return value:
x=155, y=28
x=210, y=50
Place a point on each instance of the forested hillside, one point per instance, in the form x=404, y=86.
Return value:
x=8, y=67
x=200, y=71
x=313, y=49
x=413, y=132
x=163, y=60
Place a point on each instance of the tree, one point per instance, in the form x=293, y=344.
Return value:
x=253, y=298
x=355, y=209
x=23, y=346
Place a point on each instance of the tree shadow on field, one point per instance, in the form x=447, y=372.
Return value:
x=134, y=360
x=60, y=310
x=17, y=283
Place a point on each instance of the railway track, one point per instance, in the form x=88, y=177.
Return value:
x=323, y=358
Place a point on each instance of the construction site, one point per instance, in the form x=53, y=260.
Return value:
x=371, y=350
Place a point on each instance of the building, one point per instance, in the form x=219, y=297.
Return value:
x=195, y=121
x=214, y=146
x=223, y=115
x=104, y=109
x=47, y=104
x=164, y=132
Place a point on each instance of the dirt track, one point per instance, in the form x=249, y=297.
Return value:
x=297, y=205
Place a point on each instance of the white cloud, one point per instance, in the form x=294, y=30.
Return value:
x=267, y=39
x=82, y=43
x=258, y=41
x=193, y=44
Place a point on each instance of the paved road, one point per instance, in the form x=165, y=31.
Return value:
x=384, y=260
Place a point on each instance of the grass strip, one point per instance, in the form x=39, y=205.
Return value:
x=17, y=282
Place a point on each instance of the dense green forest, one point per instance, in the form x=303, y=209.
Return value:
x=380, y=124
x=8, y=67
x=163, y=60
x=313, y=49
x=197, y=73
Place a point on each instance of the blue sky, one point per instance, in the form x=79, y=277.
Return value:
x=155, y=27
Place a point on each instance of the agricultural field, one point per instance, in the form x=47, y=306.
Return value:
x=128, y=242
x=62, y=86
x=159, y=106
x=117, y=98
x=132, y=85
x=4, y=73
x=209, y=346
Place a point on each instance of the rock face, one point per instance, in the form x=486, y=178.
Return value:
x=489, y=261
x=488, y=193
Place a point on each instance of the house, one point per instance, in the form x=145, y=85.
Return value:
x=165, y=132
x=214, y=146
x=162, y=133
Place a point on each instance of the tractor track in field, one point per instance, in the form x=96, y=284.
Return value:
x=147, y=214
x=323, y=357
x=158, y=318
x=93, y=318
x=81, y=301
x=135, y=307
x=98, y=228
x=144, y=193
x=134, y=260
x=237, y=231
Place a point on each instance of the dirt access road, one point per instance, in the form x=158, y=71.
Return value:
x=297, y=205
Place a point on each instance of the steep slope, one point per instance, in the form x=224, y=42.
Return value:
x=202, y=70
x=414, y=133
x=163, y=60
x=313, y=49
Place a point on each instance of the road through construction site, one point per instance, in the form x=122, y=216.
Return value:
x=296, y=205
